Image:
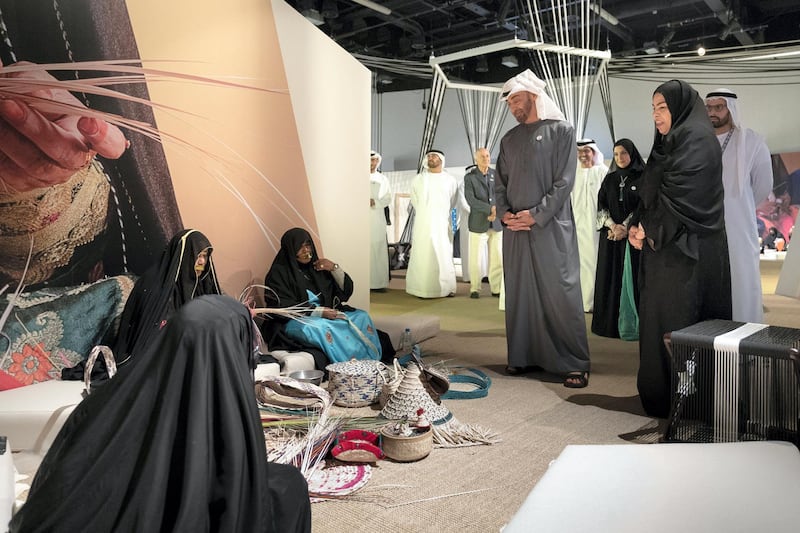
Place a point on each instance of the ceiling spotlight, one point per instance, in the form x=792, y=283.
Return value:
x=483, y=64
x=701, y=51
x=510, y=61
x=384, y=79
x=418, y=41
x=651, y=47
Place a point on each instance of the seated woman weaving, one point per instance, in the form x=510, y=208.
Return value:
x=332, y=331
x=184, y=271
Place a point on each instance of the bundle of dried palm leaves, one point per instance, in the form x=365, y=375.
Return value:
x=299, y=430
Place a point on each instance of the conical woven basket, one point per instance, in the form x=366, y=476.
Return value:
x=411, y=396
x=448, y=432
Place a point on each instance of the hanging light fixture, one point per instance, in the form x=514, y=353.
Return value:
x=383, y=10
x=510, y=61
x=651, y=47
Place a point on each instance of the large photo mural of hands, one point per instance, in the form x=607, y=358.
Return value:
x=123, y=124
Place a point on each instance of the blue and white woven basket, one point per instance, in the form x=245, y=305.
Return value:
x=355, y=383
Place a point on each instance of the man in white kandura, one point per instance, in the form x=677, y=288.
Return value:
x=379, y=197
x=588, y=178
x=747, y=179
x=434, y=194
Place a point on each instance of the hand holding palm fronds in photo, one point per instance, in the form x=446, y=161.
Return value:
x=50, y=132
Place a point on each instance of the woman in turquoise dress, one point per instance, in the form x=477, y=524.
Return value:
x=299, y=277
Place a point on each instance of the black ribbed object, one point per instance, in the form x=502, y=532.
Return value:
x=725, y=394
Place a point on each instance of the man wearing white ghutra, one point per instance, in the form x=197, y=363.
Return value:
x=747, y=179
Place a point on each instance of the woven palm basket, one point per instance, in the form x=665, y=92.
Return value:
x=448, y=432
x=406, y=449
x=355, y=383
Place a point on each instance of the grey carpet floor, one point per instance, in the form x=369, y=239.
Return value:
x=478, y=489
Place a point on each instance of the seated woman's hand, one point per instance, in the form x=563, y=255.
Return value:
x=42, y=144
x=324, y=264
x=333, y=314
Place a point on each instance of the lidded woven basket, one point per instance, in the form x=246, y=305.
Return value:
x=407, y=449
x=355, y=383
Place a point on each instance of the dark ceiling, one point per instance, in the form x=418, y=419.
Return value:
x=412, y=30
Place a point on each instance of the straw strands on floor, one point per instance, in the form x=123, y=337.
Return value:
x=299, y=430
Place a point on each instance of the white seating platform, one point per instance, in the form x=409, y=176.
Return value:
x=670, y=488
x=422, y=327
x=31, y=416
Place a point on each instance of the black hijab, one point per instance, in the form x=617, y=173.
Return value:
x=612, y=197
x=682, y=193
x=173, y=444
x=162, y=289
x=291, y=279
x=635, y=167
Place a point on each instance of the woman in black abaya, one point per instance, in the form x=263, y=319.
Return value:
x=184, y=271
x=616, y=201
x=684, y=273
x=299, y=277
x=173, y=444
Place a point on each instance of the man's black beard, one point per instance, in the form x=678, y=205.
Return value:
x=720, y=123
